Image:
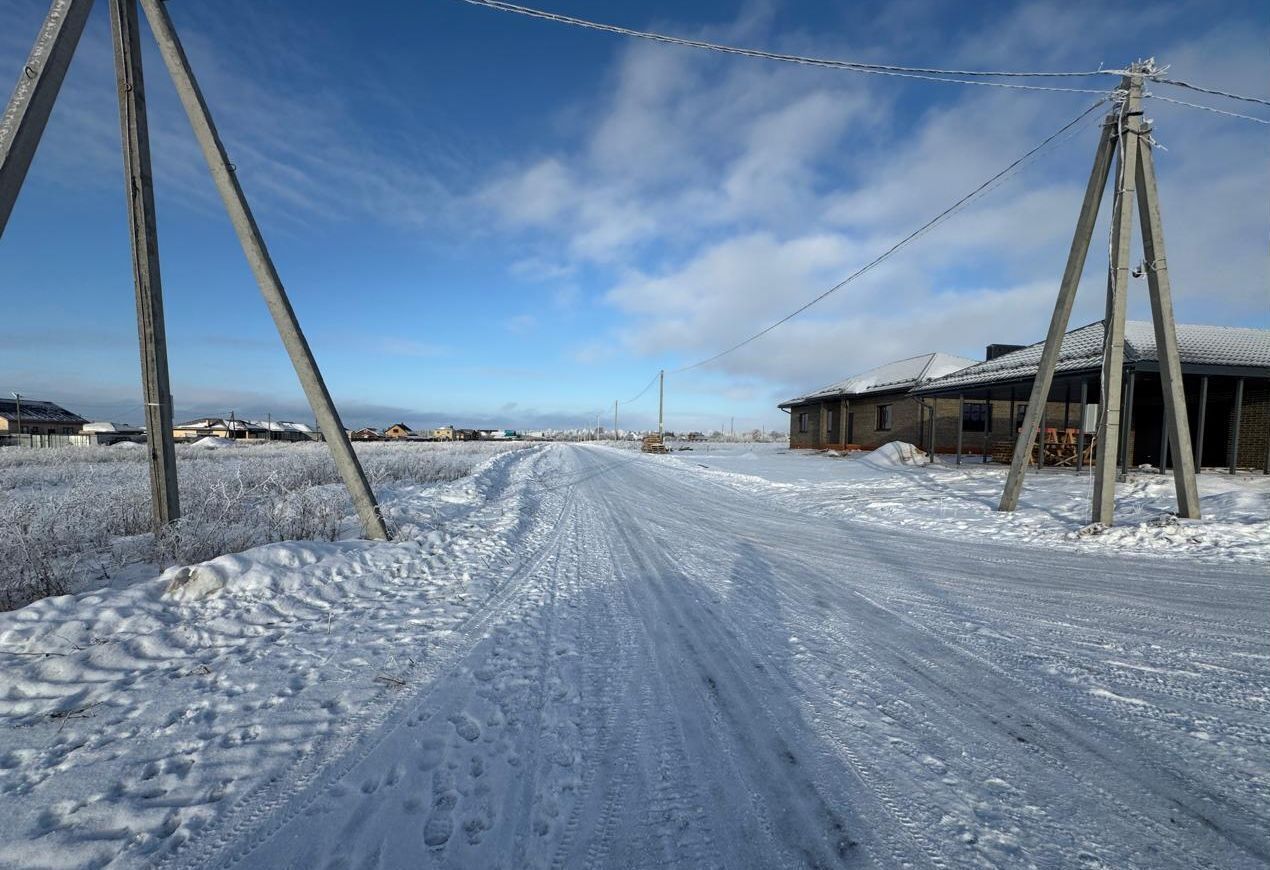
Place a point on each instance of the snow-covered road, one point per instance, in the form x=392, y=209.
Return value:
x=653, y=668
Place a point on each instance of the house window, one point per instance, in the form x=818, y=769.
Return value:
x=829, y=420
x=1020, y=411
x=884, y=418
x=802, y=421
x=974, y=418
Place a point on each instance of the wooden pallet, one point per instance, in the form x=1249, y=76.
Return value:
x=654, y=444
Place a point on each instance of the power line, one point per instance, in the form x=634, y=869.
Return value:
x=647, y=387
x=1213, y=109
x=1213, y=91
x=943, y=215
x=961, y=77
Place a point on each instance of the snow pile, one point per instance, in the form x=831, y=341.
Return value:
x=895, y=454
x=211, y=442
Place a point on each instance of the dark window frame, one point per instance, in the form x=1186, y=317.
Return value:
x=885, y=417
x=804, y=420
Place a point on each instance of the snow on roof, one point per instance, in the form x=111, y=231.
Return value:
x=1197, y=345
x=900, y=375
x=282, y=426
x=107, y=426
x=34, y=411
x=221, y=423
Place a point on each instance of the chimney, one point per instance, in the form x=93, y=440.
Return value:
x=996, y=350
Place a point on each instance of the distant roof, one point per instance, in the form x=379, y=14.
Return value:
x=107, y=426
x=1197, y=345
x=221, y=423
x=283, y=426
x=38, y=412
x=900, y=375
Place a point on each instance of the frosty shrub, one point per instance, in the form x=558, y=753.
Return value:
x=75, y=517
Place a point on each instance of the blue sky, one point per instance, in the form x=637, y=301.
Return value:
x=484, y=219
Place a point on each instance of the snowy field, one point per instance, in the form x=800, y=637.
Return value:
x=79, y=517
x=585, y=657
x=896, y=487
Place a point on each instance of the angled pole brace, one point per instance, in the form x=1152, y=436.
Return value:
x=1062, y=314
x=261, y=263
x=28, y=109
x=1161, y=291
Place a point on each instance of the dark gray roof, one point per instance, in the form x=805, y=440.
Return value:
x=900, y=375
x=1231, y=346
x=38, y=412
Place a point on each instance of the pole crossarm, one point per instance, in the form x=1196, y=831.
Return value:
x=27, y=112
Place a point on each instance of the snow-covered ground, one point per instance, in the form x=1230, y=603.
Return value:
x=78, y=518
x=585, y=657
x=961, y=501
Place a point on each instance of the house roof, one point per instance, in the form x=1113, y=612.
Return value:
x=283, y=426
x=107, y=426
x=900, y=375
x=399, y=426
x=1197, y=345
x=38, y=412
x=221, y=423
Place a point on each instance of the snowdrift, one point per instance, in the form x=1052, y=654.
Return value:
x=896, y=454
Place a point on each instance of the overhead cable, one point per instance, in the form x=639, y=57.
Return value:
x=647, y=387
x=1152, y=96
x=1213, y=91
x=943, y=215
x=961, y=77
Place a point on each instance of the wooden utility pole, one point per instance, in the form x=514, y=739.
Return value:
x=27, y=112
x=661, y=402
x=1135, y=178
x=139, y=189
x=262, y=266
x=616, y=434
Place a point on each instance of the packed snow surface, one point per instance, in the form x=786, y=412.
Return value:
x=583, y=657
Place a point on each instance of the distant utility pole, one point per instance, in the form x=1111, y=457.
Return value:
x=1125, y=135
x=661, y=402
x=17, y=399
x=616, y=433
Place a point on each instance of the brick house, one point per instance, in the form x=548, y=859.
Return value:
x=871, y=408
x=1225, y=377
x=33, y=417
x=399, y=430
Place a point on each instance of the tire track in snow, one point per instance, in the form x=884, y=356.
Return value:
x=265, y=809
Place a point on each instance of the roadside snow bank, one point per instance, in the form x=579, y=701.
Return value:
x=961, y=501
x=137, y=716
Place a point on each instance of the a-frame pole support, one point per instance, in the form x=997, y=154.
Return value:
x=1062, y=314
x=139, y=188
x=1157, y=269
x=1128, y=131
x=258, y=258
x=28, y=109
